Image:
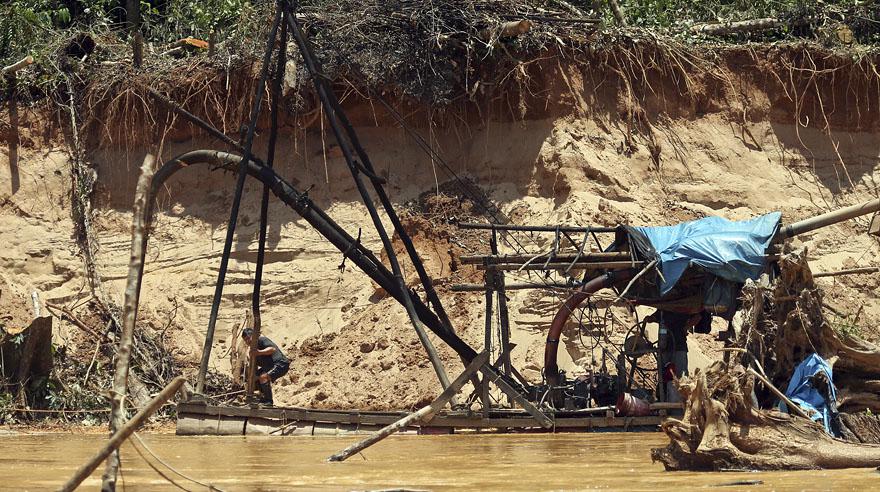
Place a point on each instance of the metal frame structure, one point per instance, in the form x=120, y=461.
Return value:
x=421, y=315
x=616, y=268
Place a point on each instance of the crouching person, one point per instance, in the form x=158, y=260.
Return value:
x=271, y=364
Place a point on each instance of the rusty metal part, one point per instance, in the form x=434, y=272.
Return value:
x=551, y=347
x=529, y=228
x=603, y=265
x=512, y=286
x=503, y=259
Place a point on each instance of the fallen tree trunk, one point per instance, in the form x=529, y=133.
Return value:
x=721, y=29
x=721, y=429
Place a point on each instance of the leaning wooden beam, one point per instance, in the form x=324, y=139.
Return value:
x=852, y=271
x=599, y=265
x=501, y=259
x=424, y=414
x=495, y=377
x=15, y=67
x=721, y=29
x=792, y=407
x=358, y=161
x=140, y=216
x=123, y=433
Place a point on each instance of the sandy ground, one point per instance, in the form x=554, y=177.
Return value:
x=352, y=346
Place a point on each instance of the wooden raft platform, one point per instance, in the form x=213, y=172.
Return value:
x=197, y=418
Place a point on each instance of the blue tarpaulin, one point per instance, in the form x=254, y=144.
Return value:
x=733, y=250
x=801, y=391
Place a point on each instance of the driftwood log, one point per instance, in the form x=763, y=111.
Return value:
x=726, y=424
x=722, y=429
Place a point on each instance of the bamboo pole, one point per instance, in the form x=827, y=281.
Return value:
x=129, y=312
x=122, y=434
x=424, y=414
x=275, y=96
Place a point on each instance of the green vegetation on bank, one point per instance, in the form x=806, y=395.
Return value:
x=416, y=45
x=24, y=23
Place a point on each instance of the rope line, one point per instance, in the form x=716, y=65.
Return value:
x=169, y=467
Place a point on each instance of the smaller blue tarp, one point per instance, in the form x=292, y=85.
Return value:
x=801, y=391
x=733, y=250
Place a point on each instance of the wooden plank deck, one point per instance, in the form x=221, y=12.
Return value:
x=197, y=418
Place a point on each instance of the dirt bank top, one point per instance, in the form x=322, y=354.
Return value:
x=524, y=57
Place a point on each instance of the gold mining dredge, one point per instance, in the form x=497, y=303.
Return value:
x=691, y=268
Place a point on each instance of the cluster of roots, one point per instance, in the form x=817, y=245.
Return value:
x=728, y=422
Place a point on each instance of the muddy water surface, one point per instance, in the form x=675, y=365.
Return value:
x=614, y=461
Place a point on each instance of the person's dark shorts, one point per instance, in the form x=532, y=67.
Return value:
x=277, y=370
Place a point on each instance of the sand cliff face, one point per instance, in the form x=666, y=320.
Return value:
x=580, y=159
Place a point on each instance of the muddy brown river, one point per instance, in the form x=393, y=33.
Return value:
x=616, y=461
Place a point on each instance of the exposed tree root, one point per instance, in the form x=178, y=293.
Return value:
x=722, y=429
x=784, y=324
x=724, y=425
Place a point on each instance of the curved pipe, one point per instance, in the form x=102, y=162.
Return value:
x=300, y=202
x=317, y=218
x=551, y=348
